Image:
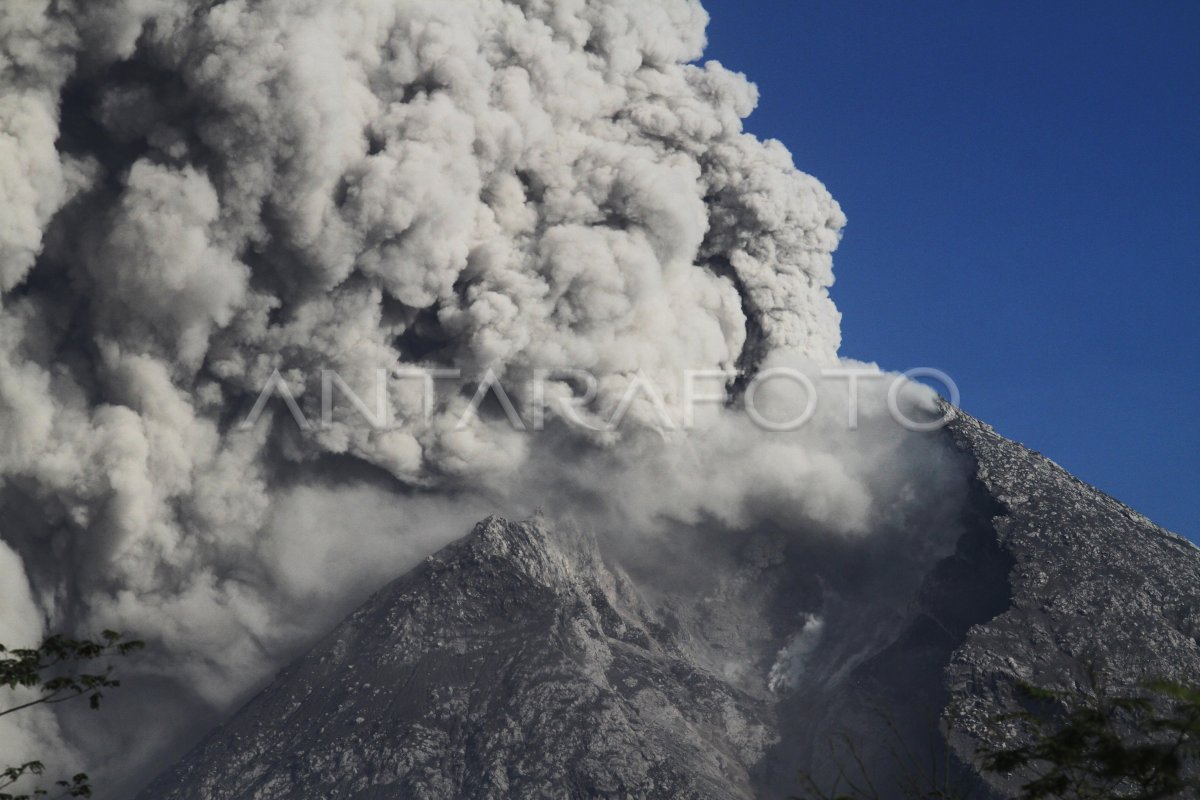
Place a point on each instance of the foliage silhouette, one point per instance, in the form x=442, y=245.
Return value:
x=1099, y=745
x=54, y=671
x=1094, y=744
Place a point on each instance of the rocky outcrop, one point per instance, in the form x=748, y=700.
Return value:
x=1094, y=587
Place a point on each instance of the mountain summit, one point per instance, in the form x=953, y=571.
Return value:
x=510, y=664
x=521, y=662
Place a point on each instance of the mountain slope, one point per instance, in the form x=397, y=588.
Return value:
x=511, y=664
x=518, y=664
x=1094, y=586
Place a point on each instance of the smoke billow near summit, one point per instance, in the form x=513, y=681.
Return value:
x=195, y=196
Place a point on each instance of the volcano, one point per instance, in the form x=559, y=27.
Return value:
x=523, y=661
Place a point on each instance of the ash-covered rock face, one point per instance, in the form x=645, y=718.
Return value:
x=520, y=663
x=512, y=664
x=1093, y=586
x=1049, y=579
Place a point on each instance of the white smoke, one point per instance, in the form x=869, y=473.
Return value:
x=194, y=195
x=788, y=669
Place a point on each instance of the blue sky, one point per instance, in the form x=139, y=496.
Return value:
x=1023, y=187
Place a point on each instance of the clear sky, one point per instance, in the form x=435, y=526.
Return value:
x=1022, y=181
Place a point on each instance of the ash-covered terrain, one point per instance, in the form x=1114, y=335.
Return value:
x=522, y=662
x=241, y=240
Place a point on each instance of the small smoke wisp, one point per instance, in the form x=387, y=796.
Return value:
x=788, y=669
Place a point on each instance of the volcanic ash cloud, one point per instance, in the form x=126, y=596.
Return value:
x=195, y=195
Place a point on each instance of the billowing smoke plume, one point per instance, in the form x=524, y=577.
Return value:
x=194, y=195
